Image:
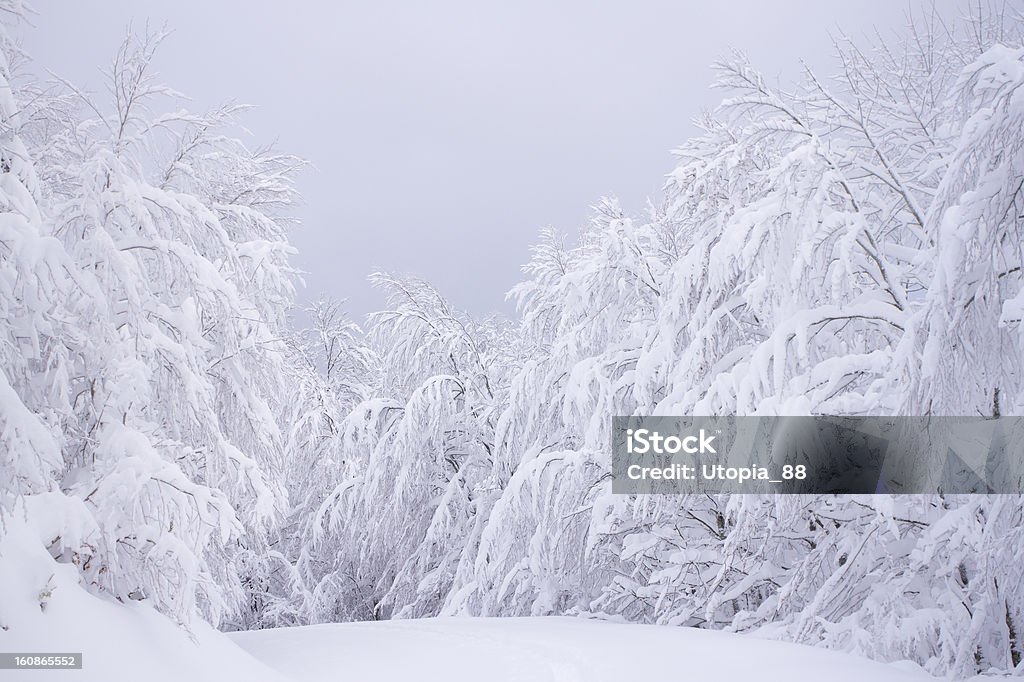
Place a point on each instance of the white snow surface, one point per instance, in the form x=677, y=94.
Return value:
x=554, y=649
x=45, y=610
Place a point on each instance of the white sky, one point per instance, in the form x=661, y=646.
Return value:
x=445, y=134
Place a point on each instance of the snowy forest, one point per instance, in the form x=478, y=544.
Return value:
x=849, y=244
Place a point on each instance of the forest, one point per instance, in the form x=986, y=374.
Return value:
x=848, y=244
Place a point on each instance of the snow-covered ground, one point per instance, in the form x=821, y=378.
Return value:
x=547, y=650
x=45, y=609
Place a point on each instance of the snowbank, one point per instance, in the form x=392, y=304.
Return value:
x=44, y=609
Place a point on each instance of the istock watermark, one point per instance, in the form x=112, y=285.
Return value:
x=642, y=441
x=818, y=455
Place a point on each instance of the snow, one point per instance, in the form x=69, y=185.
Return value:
x=555, y=649
x=44, y=609
x=191, y=459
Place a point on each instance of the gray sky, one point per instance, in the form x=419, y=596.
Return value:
x=445, y=134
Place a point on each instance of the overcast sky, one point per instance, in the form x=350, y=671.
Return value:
x=444, y=135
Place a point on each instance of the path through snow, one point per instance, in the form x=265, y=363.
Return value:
x=547, y=650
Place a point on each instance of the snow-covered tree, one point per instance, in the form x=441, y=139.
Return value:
x=849, y=247
x=416, y=454
x=37, y=288
x=148, y=285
